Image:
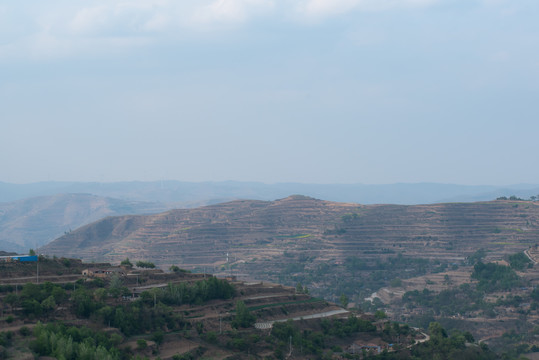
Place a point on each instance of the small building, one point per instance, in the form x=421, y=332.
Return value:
x=19, y=258
x=26, y=258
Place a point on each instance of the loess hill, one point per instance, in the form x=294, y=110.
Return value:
x=253, y=232
x=35, y=221
x=365, y=256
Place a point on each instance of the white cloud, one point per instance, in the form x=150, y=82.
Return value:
x=61, y=26
x=157, y=22
x=89, y=19
x=135, y=17
x=68, y=29
x=44, y=46
x=323, y=8
x=122, y=18
x=319, y=9
x=230, y=11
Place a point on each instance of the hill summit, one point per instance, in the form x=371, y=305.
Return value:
x=253, y=231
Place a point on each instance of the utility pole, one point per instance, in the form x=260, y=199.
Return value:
x=229, y=267
x=37, y=265
x=290, y=343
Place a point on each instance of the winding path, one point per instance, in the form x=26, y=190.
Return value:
x=527, y=253
x=269, y=324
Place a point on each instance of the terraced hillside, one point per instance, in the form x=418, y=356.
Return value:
x=325, y=245
x=445, y=231
x=203, y=236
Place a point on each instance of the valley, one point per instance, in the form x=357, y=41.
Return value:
x=332, y=248
x=417, y=264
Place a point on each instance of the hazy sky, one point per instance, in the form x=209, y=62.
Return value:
x=314, y=91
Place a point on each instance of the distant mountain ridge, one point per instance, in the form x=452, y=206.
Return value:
x=34, y=214
x=33, y=222
x=192, y=194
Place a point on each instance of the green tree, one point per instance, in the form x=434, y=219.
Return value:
x=145, y=264
x=447, y=280
x=380, y=314
x=158, y=337
x=436, y=330
x=126, y=263
x=58, y=294
x=100, y=294
x=519, y=261
x=11, y=299
x=243, y=318
x=115, y=286
x=476, y=256
x=83, y=303
x=48, y=304
x=493, y=277
x=141, y=344
x=344, y=300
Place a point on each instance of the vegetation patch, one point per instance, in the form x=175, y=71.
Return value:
x=296, y=236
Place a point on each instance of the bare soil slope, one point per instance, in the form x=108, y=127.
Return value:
x=260, y=230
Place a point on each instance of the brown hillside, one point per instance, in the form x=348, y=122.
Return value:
x=250, y=230
x=204, y=235
x=335, y=250
x=449, y=231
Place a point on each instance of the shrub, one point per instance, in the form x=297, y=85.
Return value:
x=243, y=318
x=126, y=263
x=493, y=277
x=145, y=264
x=519, y=261
x=158, y=337
x=211, y=337
x=379, y=314
x=141, y=344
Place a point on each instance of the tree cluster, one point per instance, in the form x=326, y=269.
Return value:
x=145, y=264
x=70, y=343
x=494, y=277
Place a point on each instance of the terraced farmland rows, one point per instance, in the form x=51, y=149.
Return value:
x=300, y=235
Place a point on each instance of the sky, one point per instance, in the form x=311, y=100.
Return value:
x=310, y=91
